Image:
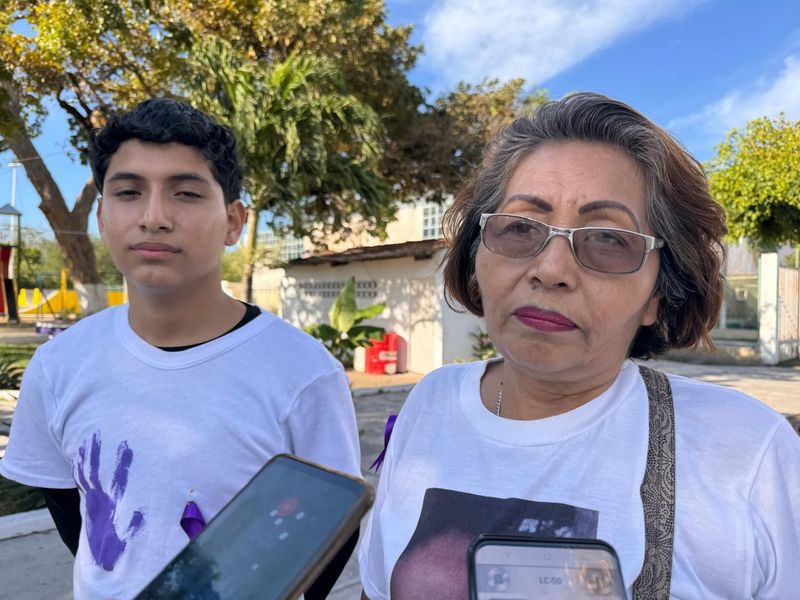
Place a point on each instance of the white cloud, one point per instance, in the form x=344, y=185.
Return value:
x=534, y=39
x=764, y=98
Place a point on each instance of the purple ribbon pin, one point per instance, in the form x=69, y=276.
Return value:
x=192, y=520
x=387, y=433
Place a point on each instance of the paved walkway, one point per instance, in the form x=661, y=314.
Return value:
x=37, y=565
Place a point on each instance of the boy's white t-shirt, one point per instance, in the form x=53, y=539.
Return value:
x=453, y=470
x=142, y=431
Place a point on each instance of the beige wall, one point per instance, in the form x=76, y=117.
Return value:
x=407, y=227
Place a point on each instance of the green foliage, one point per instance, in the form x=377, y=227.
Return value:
x=17, y=498
x=793, y=259
x=343, y=332
x=455, y=129
x=232, y=265
x=13, y=360
x=310, y=148
x=44, y=255
x=323, y=138
x=90, y=57
x=482, y=347
x=10, y=375
x=39, y=255
x=17, y=353
x=756, y=178
x=109, y=274
x=372, y=56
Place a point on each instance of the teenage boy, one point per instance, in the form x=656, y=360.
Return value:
x=181, y=395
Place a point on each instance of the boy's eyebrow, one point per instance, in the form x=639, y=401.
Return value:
x=188, y=176
x=125, y=176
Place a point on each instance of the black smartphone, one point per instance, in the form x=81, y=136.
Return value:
x=272, y=540
x=518, y=567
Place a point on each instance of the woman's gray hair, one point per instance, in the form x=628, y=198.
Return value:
x=679, y=208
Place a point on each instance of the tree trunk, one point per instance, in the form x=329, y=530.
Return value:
x=69, y=227
x=249, y=254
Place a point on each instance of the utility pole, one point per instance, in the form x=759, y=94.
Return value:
x=14, y=166
x=13, y=233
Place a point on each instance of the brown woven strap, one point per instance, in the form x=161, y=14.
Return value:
x=658, y=491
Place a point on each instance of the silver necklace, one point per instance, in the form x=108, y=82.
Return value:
x=498, y=401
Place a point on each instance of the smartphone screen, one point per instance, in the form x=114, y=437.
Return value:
x=272, y=534
x=503, y=568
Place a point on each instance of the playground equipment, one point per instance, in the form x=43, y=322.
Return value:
x=8, y=304
x=62, y=301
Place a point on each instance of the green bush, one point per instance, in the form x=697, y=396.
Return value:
x=343, y=333
x=16, y=498
x=482, y=348
x=10, y=375
x=17, y=353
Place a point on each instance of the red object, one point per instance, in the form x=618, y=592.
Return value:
x=390, y=355
x=5, y=260
x=381, y=357
x=375, y=356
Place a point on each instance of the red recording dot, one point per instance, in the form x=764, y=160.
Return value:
x=287, y=507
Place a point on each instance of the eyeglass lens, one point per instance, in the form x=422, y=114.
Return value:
x=606, y=250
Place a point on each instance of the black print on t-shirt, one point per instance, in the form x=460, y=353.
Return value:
x=434, y=563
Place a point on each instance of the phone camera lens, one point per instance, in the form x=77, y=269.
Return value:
x=498, y=579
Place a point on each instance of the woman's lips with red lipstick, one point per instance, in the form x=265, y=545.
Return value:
x=543, y=320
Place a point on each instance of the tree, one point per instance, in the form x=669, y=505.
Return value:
x=756, y=177
x=89, y=57
x=41, y=255
x=452, y=132
x=232, y=265
x=372, y=56
x=310, y=149
x=429, y=147
x=92, y=58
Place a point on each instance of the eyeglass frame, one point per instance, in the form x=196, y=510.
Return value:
x=651, y=242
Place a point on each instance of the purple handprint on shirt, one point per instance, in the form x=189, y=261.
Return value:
x=105, y=544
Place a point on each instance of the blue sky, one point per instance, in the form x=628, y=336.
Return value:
x=697, y=67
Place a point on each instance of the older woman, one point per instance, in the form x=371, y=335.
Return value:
x=587, y=238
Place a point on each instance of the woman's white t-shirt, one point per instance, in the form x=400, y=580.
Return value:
x=453, y=470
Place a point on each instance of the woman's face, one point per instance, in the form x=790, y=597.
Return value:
x=547, y=314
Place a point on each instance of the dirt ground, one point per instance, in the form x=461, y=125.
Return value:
x=367, y=380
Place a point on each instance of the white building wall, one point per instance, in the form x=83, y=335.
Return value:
x=742, y=260
x=268, y=279
x=406, y=285
x=457, y=327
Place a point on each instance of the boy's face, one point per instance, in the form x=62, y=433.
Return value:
x=164, y=219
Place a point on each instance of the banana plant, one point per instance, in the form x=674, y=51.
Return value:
x=344, y=333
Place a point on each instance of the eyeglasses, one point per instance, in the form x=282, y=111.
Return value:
x=604, y=249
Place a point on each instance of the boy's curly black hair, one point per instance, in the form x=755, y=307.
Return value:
x=163, y=121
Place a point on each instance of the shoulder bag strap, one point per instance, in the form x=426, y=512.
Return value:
x=658, y=490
